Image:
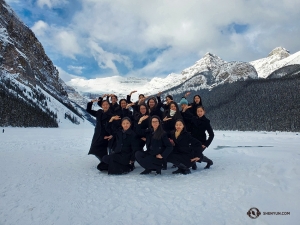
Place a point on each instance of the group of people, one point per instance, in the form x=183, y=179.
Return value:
x=151, y=133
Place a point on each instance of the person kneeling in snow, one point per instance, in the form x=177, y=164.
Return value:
x=187, y=149
x=123, y=146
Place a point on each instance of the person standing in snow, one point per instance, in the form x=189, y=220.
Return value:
x=186, y=150
x=158, y=145
x=3, y=131
x=199, y=126
x=123, y=146
x=101, y=136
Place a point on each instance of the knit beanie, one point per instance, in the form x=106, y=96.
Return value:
x=183, y=101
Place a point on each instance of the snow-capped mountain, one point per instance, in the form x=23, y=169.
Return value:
x=207, y=72
x=278, y=58
x=29, y=78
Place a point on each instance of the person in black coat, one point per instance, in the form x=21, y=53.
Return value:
x=170, y=117
x=197, y=101
x=199, y=126
x=184, y=106
x=101, y=136
x=123, y=146
x=113, y=104
x=143, y=110
x=186, y=151
x=158, y=146
x=123, y=110
x=169, y=99
x=135, y=105
x=155, y=105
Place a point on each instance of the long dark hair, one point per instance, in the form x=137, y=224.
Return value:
x=155, y=101
x=159, y=131
x=200, y=103
x=177, y=113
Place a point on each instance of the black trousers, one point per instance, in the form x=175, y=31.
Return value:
x=148, y=161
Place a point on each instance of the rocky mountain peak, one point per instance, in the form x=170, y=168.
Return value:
x=279, y=52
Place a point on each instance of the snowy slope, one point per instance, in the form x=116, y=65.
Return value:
x=278, y=58
x=48, y=178
x=50, y=103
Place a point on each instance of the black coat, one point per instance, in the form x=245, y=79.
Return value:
x=155, y=146
x=194, y=108
x=198, y=126
x=123, y=143
x=169, y=125
x=99, y=144
x=186, y=147
x=156, y=109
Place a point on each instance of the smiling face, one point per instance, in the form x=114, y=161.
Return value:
x=168, y=100
x=200, y=112
x=151, y=103
x=155, y=123
x=123, y=104
x=113, y=99
x=197, y=99
x=179, y=126
x=143, y=110
x=105, y=106
x=126, y=124
x=173, y=107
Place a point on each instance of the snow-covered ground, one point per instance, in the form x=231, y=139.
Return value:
x=48, y=178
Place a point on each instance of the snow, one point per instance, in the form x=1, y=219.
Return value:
x=48, y=178
x=268, y=65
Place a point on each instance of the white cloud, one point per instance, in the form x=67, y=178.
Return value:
x=50, y=3
x=61, y=40
x=76, y=69
x=106, y=59
x=112, y=30
x=65, y=76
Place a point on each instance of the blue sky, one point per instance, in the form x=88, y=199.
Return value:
x=101, y=38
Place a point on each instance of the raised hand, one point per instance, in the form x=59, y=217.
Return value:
x=132, y=92
x=186, y=107
x=166, y=118
x=187, y=94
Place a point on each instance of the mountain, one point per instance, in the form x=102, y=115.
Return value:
x=28, y=78
x=277, y=59
x=207, y=72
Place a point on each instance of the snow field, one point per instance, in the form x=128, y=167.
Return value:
x=48, y=178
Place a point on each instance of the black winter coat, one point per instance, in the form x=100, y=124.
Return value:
x=186, y=144
x=155, y=146
x=198, y=126
x=99, y=144
x=186, y=148
x=156, y=109
x=124, y=144
x=169, y=125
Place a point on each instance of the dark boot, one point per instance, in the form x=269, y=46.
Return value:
x=158, y=172
x=194, y=166
x=146, y=171
x=178, y=171
x=184, y=169
x=164, y=166
x=208, y=161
